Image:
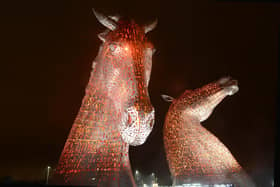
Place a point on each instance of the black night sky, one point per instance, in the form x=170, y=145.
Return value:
x=48, y=48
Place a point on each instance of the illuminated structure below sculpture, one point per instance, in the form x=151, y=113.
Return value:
x=194, y=154
x=116, y=110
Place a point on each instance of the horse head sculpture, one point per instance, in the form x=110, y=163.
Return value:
x=116, y=110
x=194, y=154
x=127, y=55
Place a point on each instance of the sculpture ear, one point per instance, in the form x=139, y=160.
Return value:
x=102, y=36
x=93, y=65
x=167, y=98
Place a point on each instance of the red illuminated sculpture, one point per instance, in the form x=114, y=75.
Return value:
x=116, y=110
x=194, y=154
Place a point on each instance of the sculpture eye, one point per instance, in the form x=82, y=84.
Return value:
x=112, y=47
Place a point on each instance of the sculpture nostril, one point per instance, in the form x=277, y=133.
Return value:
x=152, y=123
x=131, y=116
x=129, y=120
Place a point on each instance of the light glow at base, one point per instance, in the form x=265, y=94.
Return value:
x=205, y=185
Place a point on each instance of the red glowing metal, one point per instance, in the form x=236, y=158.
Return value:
x=116, y=110
x=194, y=154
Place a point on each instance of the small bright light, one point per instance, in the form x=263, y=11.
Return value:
x=155, y=185
x=126, y=48
x=93, y=178
x=49, y=167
